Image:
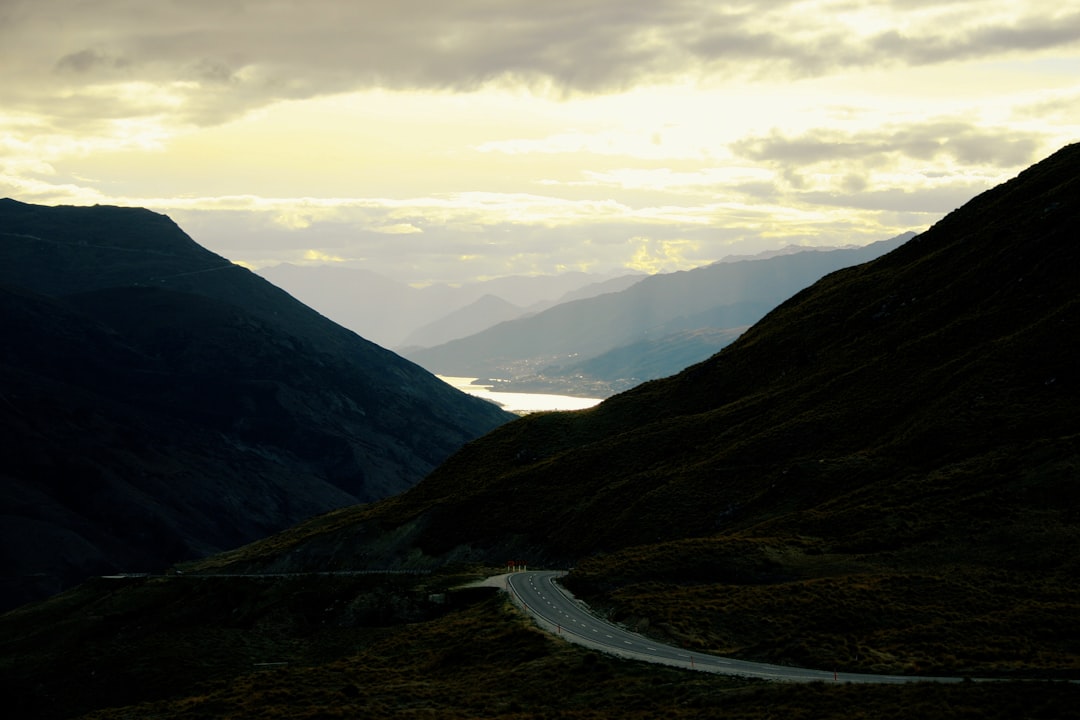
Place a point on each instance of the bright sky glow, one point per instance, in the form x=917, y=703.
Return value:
x=447, y=141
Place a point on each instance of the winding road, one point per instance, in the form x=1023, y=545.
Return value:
x=557, y=611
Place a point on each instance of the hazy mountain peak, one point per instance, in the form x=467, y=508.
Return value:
x=482, y=313
x=793, y=249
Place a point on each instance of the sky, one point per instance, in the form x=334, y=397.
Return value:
x=457, y=140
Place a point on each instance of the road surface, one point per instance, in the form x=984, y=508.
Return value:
x=556, y=610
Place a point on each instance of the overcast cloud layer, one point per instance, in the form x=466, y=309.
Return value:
x=448, y=140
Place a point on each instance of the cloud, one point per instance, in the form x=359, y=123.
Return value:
x=929, y=141
x=320, y=257
x=403, y=228
x=917, y=171
x=1058, y=107
x=930, y=202
x=546, y=236
x=1034, y=32
x=654, y=256
x=86, y=61
x=529, y=137
x=226, y=58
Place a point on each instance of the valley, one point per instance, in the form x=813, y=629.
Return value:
x=594, y=345
x=511, y=360
x=876, y=480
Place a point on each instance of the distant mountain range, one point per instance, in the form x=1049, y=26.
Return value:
x=423, y=316
x=160, y=403
x=629, y=365
x=713, y=303
x=479, y=315
x=879, y=475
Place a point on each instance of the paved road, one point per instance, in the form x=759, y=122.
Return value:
x=556, y=610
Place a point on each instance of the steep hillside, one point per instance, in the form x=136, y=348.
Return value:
x=879, y=474
x=629, y=365
x=720, y=296
x=159, y=403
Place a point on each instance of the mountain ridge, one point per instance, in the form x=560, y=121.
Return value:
x=162, y=403
x=721, y=295
x=485, y=311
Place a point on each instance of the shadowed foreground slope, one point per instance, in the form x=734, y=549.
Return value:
x=159, y=403
x=379, y=647
x=880, y=475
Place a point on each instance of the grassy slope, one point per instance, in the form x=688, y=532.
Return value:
x=375, y=647
x=889, y=457
x=880, y=476
x=161, y=403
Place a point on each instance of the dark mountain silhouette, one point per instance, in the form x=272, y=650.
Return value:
x=880, y=474
x=723, y=295
x=159, y=403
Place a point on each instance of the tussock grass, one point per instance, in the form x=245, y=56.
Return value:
x=792, y=603
x=176, y=650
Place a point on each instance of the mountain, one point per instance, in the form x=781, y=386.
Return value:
x=479, y=315
x=159, y=403
x=490, y=310
x=536, y=291
x=602, y=287
x=880, y=475
x=358, y=298
x=629, y=365
x=721, y=296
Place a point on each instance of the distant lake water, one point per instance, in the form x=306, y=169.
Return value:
x=520, y=403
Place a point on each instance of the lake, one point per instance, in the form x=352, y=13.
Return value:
x=520, y=403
